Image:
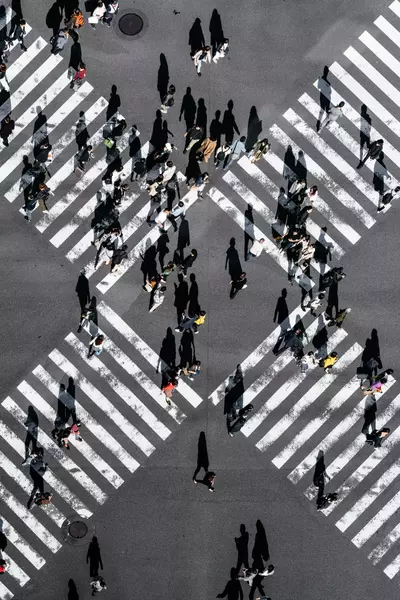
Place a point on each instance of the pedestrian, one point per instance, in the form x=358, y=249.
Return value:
x=81, y=132
x=373, y=152
x=168, y=389
x=193, y=370
x=155, y=188
x=75, y=21
x=324, y=501
x=96, y=345
x=84, y=156
x=119, y=191
x=259, y=149
x=160, y=221
x=79, y=76
x=314, y=304
x=97, y=14
x=186, y=323
x=19, y=34
x=158, y=296
x=256, y=248
x=179, y=210
x=139, y=170
x=312, y=194
x=376, y=437
x=37, y=470
x=292, y=339
x=111, y=10
x=269, y=571
x=7, y=127
x=42, y=196
x=208, y=480
x=3, y=566
x=168, y=100
x=335, y=275
x=119, y=255
x=206, y=149
x=222, y=154
x=308, y=362
x=3, y=77
x=29, y=206
x=87, y=315
x=237, y=148
x=240, y=283
x=332, y=115
x=222, y=50
x=187, y=263
x=4, y=51
x=202, y=55
x=303, y=215
x=199, y=184
x=238, y=419
x=168, y=269
x=169, y=172
x=59, y=41
x=44, y=153
x=199, y=321
x=193, y=136
x=248, y=576
x=340, y=317
x=328, y=362
x=297, y=191
x=98, y=585
x=63, y=439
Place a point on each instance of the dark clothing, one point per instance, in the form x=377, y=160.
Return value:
x=187, y=263
x=237, y=285
x=43, y=153
x=118, y=256
x=7, y=127
x=233, y=590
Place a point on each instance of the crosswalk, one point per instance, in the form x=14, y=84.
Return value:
x=121, y=427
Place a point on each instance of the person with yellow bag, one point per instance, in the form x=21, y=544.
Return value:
x=328, y=362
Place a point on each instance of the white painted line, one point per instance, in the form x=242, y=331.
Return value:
x=89, y=422
x=365, y=97
x=312, y=426
x=335, y=159
x=390, y=508
x=29, y=520
x=344, y=458
x=17, y=444
x=49, y=445
x=395, y=7
x=55, y=120
x=134, y=255
x=141, y=378
x=119, y=388
x=82, y=446
x=6, y=20
x=22, y=545
x=15, y=571
x=25, y=58
x=380, y=51
x=254, y=232
x=86, y=180
x=319, y=204
x=103, y=403
x=388, y=29
x=393, y=568
x=26, y=485
x=265, y=378
x=92, y=113
x=146, y=352
x=313, y=393
x=314, y=229
x=350, y=143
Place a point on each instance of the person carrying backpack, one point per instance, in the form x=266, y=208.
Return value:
x=84, y=156
x=79, y=76
x=168, y=99
x=111, y=11
x=76, y=20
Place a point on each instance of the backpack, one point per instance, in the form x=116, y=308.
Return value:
x=79, y=21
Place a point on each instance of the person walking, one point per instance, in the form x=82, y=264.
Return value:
x=81, y=132
x=169, y=172
x=84, y=156
x=98, y=585
x=168, y=389
x=19, y=34
x=119, y=255
x=206, y=149
x=199, y=184
x=239, y=419
x=193, y=136
x=208, y=480
x=32, y=426
x=139, y=170
x=308, y=362
x=222, y=153
x=168, y=100
x=158, y=296
x=87, y=315
x=42, y=196
x=259, y=149
x=248, y=576
x=111, y=10
x=79, y=76
x=240, y=283
x=36, y=470
x=6, y=129
x=328, y=362
x=332, y=115
x=179, y=210
x=76, y=21
x=256, y=248
x=376, y=437
x=187, y=263
x=98, y=14
x=119, y=191
x=59, y=41
x=222, y=50
x=193, y=370
x=340, y=317
x=160, y=221
x=96, y=345
x=3, y=77
x=237, y=148
x=202, y=55
x=373, y=152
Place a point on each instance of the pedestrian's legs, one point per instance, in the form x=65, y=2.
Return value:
x=198, y=67
x=190, y=145
x=42, y=205
x=363, y=160
x=228, y=161
x=324, y=123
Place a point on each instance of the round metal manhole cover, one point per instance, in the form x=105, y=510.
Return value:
x=78, y=530
x=131, y=24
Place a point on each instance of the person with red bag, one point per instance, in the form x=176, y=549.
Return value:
x=79, y=76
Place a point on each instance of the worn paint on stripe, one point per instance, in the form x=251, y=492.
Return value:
x=393, y=568
x=22, y=545
x=25, y=58
x=15, y=571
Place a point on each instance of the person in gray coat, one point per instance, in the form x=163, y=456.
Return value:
x=59, y=41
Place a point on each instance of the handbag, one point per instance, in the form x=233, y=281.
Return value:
x=93, y=20
x=109, y=142
x=362, y=373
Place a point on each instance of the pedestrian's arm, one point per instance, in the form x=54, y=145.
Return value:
x=224, y=593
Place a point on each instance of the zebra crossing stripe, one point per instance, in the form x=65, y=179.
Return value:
x=15, y=571
x=26, y=485
x=21, y=545
x=341, y=134
x=92, y=113
x=72, y=468
x=83, y=447
x=103, y=403
x=90, y=423
x=395, y=7
x=358, y=443
x=335, y=159
x=87, y=179
x=390, y=508
x=313, y=393
x=6, y=19
x=58, y=117
x=120, y=389
x=29, y=520
x=25, y=58
x=5, y=593
x=387, y=28
x=146, y=352
x=380, y=51
x=319, y=204
x=314, y=229
x=312, y=426
x=393, y=568
x=369, y=497
x=365, y=97
x=18, y=446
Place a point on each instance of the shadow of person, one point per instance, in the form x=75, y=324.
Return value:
x=194, y=306
x=323, y=249
x=157, y=136
x=319, y=475
x=183, y=237
x=254, y=128
x=333, y=300
x=181, y=294
x=193, y=167
x=31, y=424
x=216, y=128
x=196, y=37
x=365, y=129
x=234, y=391
x=248, y=230
x=325, y=93
x=114, y=103
x=149, y=265
x=320, y=339
x=233, y=589
x=81, y=133
x=162, y=249
x=242, y=546
x=375, y=348
x=381, y=175
x=371, y=356
x=229, y=125
x=54, y=17
x=232, y=262
x=281, y=310
x=93, y=557
x=135, y=146
x=3, y=539
x=167, y=354
x=82, y=290
x=301, y=166
x=75, y=55
x=370, y=410
x=260, y=549
x=163, y=77
x=289, y=166
x=202, y=455
x=26, y=178
x=216, y=31
x=186, y=350
x=72, y=590
x=201, y=117
x=188, y=109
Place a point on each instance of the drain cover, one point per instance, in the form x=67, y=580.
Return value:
x=78, y=530
x=130, y=24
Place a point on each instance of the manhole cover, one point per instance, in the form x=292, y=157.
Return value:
x=131, y=24
x=78, y=530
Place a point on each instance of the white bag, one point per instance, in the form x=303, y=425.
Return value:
x=93, y=20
